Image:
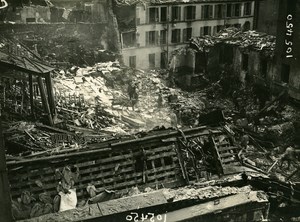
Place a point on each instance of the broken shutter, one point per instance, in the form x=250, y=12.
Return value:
x=201, y=31
x=210, y=13
x=147, y=38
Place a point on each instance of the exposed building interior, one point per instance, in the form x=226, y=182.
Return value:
x=149, y=110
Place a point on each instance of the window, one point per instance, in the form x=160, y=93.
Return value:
x=163, y=37
x=129, y=39
x=175, y=36
x=219, y=11
x=237, y=10
x=285, y=73
x=247, y=8
x=245, y=58
x=132, y=61
x=187, y=34
x=151, y=38
x=207, y=11
x=228, y=10
x=163, y=14
x=175, y=13
x=206, y=30
x=151, y=60
x=153, y=15
x=190, y=12
x=264, y=68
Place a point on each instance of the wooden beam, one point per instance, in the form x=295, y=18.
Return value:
x=51, y=99
x=31, y=94
x=44, y=100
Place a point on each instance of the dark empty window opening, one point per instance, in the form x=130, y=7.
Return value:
x=264, y=68
x=129, y=39
x=153, y=15
x=285, y=73
x=245, y=58
x=190, y=12
x=207, y=12
x=247, y=8
x=175, y=13
x=219, y=11
x=163, y=14
x=226, y=54
x=206, y=30
x=237, y=10
x=175, y=36
x=228, y=10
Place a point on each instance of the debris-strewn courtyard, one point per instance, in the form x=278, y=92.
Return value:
x=119, y=111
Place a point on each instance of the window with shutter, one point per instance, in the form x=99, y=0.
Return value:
x=175, y=36
x=163, y=37
x=202, y=12
x=189, y=12
x=187, y=34
x=147, y=38
x=247, y=8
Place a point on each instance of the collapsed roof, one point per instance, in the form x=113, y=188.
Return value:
x=251, y=39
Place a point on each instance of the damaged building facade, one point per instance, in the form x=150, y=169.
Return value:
x=150, y=31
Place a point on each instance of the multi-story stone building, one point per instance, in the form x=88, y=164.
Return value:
x=150, y=31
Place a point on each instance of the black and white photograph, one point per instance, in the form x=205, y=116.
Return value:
x=150, y=110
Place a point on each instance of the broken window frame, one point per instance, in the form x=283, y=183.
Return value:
x=153, y=15
x=176, y=13
x=132, y=41
x=190, y=12
x=247, y=8
x=176, y=36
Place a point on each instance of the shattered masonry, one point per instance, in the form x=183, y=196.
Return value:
x=213, y=136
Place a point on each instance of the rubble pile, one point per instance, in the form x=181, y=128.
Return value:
x=234, y=36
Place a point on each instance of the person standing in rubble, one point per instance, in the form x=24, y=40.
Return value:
x=174, y=121
x=132, y=93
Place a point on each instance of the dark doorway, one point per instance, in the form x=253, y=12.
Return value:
x=163, y=60
x=264, y=68
x=285, y=73
x=245, y=59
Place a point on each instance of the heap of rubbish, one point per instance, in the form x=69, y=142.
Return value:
x=233, y=36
